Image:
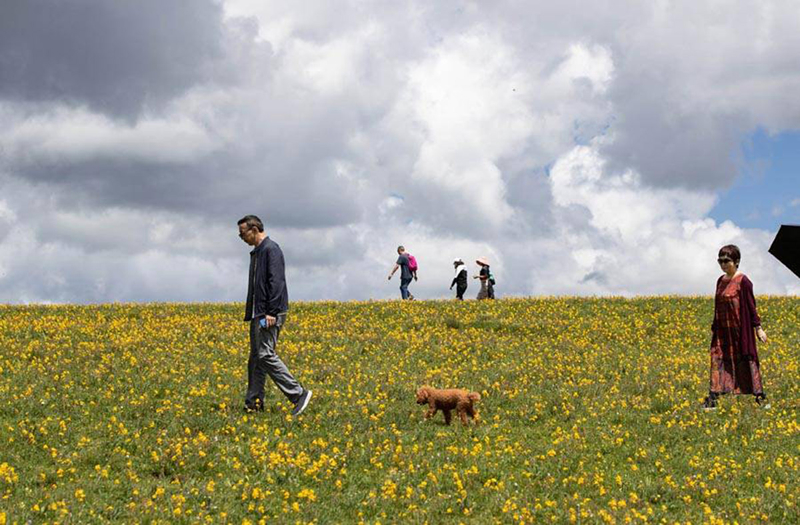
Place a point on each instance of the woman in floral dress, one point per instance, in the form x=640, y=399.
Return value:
x=735, y=367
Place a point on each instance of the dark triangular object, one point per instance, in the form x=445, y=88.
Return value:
x=786, y=247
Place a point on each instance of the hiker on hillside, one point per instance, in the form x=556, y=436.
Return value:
x=487, y=279
x=266, y=308
x=460, y=280
x=408, y=271
x=735, y=368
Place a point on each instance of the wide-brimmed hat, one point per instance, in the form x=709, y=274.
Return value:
x=483, y=261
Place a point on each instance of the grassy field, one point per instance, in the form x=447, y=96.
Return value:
x=590, y=414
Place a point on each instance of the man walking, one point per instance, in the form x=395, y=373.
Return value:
x=405, y=272
x=266, y=308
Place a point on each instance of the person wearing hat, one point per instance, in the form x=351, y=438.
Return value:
x=460, y=280
x=487, y=279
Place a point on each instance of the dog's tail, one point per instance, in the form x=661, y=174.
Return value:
x=474, y=396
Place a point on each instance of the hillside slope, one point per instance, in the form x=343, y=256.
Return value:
x=590, y=412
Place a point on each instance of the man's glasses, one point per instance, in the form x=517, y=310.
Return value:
x=724, y=260
x=242, y=234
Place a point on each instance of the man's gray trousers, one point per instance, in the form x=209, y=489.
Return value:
x=265, y=362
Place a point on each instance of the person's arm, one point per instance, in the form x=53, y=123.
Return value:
x=455, y=280
x=276, y=284
x=260, y=287
x=714, y=321
x=755, y=320
x=396, y=266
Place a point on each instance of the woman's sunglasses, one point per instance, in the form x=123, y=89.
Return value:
x=724, y=260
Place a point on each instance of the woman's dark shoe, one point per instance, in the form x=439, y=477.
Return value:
x=710, y=403
x=762, y=402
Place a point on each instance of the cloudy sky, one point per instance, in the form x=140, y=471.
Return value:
x=585, y=148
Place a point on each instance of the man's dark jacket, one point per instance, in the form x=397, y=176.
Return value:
x=266, y=288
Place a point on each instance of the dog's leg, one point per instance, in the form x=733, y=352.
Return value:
x=473, y=414
x=431, y=409
x=446, y=416
x=462, y=413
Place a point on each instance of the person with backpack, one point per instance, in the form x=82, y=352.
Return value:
x=407, y=264
x=487, y=279
x=460, y=280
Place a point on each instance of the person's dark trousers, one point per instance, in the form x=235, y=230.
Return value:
x=404, y=287
x=265, y=362
x=460, y=292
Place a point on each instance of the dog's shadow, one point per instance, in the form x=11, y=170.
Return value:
x=417, y=419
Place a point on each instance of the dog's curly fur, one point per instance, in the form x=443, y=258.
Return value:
x=462, y=401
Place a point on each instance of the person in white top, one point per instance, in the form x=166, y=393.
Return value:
x=460, y=280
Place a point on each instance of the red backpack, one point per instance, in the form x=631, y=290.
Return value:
x=412, y=263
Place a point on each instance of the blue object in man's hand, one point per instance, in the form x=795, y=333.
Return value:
x=263, y=322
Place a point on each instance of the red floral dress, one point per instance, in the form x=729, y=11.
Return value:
x=732, y=370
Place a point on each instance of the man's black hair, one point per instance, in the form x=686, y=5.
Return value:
x=252, y=222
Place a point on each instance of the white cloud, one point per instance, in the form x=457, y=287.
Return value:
x=620, y=205
x=66, y=135
x=594, y=65
x=642, y=240
x=461, y=100
x=578, y=146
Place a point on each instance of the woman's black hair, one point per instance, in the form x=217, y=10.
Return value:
x=731, y=251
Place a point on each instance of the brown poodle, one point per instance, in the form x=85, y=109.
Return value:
x=449, y=399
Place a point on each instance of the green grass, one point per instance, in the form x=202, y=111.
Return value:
x=590, y=413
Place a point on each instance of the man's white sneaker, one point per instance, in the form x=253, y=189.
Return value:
x=302, y=403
